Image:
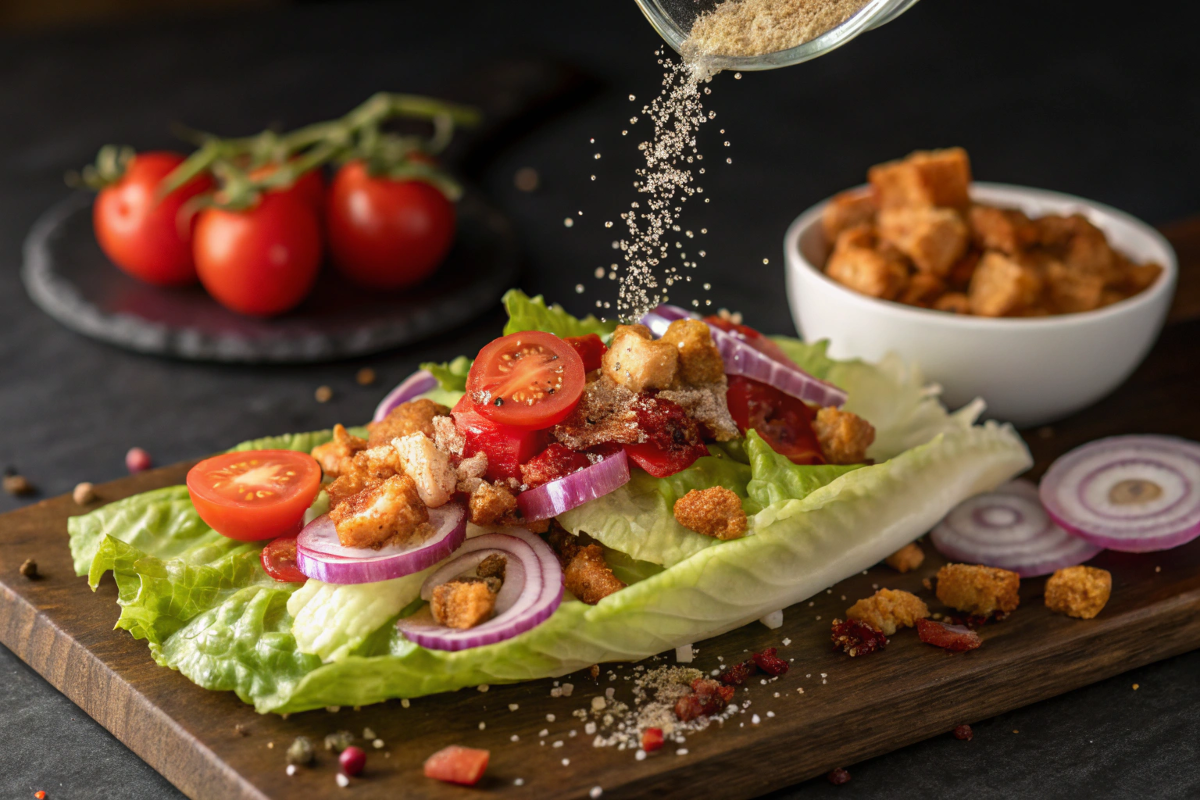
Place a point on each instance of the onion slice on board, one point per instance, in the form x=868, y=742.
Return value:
x=742, y=358
x=571, y=491
x=540, y=592
x=1129, y=493
x=320, y=555
x=414, y=385
x=1008, y=528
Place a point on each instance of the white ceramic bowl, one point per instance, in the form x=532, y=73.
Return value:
x=1030, y=371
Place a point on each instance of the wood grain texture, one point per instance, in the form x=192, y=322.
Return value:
x=849, y=710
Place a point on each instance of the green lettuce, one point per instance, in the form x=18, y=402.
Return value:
x=451, y=376
x=527, y=313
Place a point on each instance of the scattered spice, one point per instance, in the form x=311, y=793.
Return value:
x=137, y=460
x=352, y=760
x=16, y=484
x=84, y=493
x=365, y=376
x=300, y=752
x=28, y=569
x=708, y=697
x=964, y=733
x=758, y=27
x=323, y=394
x=526, y=179
x=838, y=777
x=595, y=672
x=770, y=663
x=241, y=730
x=339, y=741
x=857, y=638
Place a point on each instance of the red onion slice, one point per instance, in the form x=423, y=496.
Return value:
x=1008, y=528
x=742, y=358
x=530, y=609
x=320, y=555
x=571, y=491
x=414, y=385
x=1129, y=493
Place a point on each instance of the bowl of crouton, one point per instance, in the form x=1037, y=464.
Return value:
x=1038, y=302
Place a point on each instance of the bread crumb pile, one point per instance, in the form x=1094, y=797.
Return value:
x=758, y=27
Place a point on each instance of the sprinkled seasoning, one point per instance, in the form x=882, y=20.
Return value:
x=758, y=27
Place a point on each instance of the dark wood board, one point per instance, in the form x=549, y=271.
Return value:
x=861, y=708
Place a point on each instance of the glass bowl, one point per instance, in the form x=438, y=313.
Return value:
x=673, y=20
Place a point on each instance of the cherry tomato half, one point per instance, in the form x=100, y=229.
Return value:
x=279, y=560
x=255, y=494
x=143, y=235
x=783, y=422
x=384, y=233
x=529, y=379
x=261, y=261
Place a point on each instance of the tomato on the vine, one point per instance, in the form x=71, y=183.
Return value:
x=279, y=560
x=261, y=261
x=254, y=494
x=529, y=379
x=385, y=233
x=309, y=187
x=783, y=422
x=144, y=235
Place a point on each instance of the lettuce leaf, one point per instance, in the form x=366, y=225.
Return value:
x=775, y=478
x=452, y=375
x=527, y=313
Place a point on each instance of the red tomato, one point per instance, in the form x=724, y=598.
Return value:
x=261, y=261
x=507, y=447
x=783, y=422
x=384, y=233
x=454, y=764
x=309, y=187
x=141, y=234
x=279, y=560
x=590, y=348
x=255, y=494
x=556, y=461
x=529, y=379
x=663, y=463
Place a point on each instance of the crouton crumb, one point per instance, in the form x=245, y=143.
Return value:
x=976, y=589
x=715, y=512
x=463, y=604
x=415, y=416
x=844, y=436
x=589, y=577
x=907, y=558
x=889, y=609
x=1080, y=592
x=490, y=503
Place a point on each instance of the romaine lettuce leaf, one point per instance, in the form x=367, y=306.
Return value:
x=161, y=523
x=776, y=479
x=452, y=375
x=527, y=313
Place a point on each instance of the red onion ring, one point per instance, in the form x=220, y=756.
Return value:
x=414, y=385
x=1008, y=528
x=1130, y=493
x=541, y=592
x=320, y=555
x=571, y=491
x=742, y=358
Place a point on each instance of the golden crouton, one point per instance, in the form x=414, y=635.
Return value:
x=924, y=178
x=342, y=448
x=844, y=436
x=589, y=577
x=907, y=558
x=1089, y=252
x=923, y=290
x=494, y=566
x=1055, y=230
x=959, y=277
x=1002, y=287
x=1003, y=229
x=462, y=604
x=976, y=589
x=700, y=361
x=429, y=468
x=858, y=263
x=367, y=468
x=1137, y=277
x=933, y=238
x=847, y=210
x=1070, y=290
x=637, y=361
x=954, y=302
x=889, y=609
x=391, y=512
x=415, y=416
x=715, y=512
x=1080, y=592
x=490, y=503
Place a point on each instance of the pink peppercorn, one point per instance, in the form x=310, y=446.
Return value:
x=352, y=759
x=137, y=460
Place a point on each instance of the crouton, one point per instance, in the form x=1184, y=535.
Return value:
x=366, y=469
x=447, y=436
x=470, y=471
x=954, y=302
x=589, y=577
x=1069, y=290
x=1007, y=230
x=494, y=566
x=700, y=361
x=889, y=609
x=637, y=361
x=847, y=210
x=489, y=504
x=429, y=468
x=342, y=448
x=1089, y=253
x=933, y=238
x=391, y=512
x=415, y=416
x=605, y=413
x=959, y=277
x=976, y=589
x=924, y=178
x=844, y=437
x=462, y=604
x=1080, y=592
x=1002, y=287
x=565, y=544
x=923, y=290
x=1137, y=277
x=857, y=263
x=1054, y=230
x=715, y=512
x=907, y=558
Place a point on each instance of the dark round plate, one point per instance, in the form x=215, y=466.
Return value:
x=69, y=277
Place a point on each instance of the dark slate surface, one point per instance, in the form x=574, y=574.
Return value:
x=1100, y=104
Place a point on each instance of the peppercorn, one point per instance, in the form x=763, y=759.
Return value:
x=137, y=460
x=16, y=484
x=84, y=493
x=838, y=777
x=29, y=569
x=241, y=730
x=352, y=761
x=300, y=752
x=339, y=741
x=365, y=376
x=964, y=732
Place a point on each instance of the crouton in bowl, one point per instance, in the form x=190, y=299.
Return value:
x=1041, y=303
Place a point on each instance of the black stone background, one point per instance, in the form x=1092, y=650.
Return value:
x=1088, y=98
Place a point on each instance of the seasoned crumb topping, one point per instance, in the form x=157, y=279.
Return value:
x=715, y=512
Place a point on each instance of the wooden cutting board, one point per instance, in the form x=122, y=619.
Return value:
x=850, y=709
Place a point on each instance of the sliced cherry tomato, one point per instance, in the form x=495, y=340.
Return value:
x=555, y=462
x=783, y=422
x=761, y=343
x=507, y=447
x=455, y=764
x=279, y=560
x=663, y=463
x=254, y=494
x=590, y=348
x=309, y=187
x=142, y=234
x=384, y=233
x=261, y=261
x=530, y=379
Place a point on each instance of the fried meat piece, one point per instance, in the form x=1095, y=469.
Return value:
x=490, y=504
x=924, y=178
x=847, y=210
x=429, y=468
x=463, y=604
x=700, y=361
x=933, y=238
x=889, y=609
x=588, y=576
x=857, y=262
x=415, y=416
x=334, y=456
x=367, y=468
x=470, y=471
x=715, y=512
x=390, y=512
x=1003, y=287
x=844, y=436
x=907, y=558
x=638, y=361
x=1080, y=592
x=976, y=589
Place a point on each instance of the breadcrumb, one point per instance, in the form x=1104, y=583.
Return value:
x=462, y=604
x=415, y=416
x=490, y=503
x=844, y=436
x=589, y=577
x=907, y=558
x=889, y=609
x=976, y=589
x=715, y=512
x=1080, y=592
